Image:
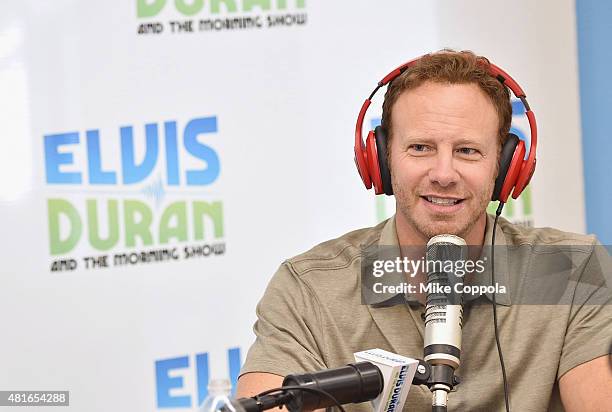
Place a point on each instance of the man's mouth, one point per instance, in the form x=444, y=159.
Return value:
x=442, y=201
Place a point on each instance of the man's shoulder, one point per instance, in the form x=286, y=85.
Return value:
x=337, y=253
x=518, y=235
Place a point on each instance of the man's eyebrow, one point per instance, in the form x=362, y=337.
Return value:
x=468, y=141
x=429, y=140
x=416, y=138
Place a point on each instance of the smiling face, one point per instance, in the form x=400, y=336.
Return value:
x=443, y=160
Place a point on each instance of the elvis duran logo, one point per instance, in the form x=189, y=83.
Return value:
x=127, y=197
x=182, y=382
x=197, y=16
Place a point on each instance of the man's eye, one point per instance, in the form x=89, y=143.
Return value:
x=467, y=151
x=418, y=147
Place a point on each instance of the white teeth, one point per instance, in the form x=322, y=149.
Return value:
x=441, y=201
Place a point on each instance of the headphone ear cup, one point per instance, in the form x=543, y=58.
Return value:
x=505, y=159
x=516, y=164
x=362, y=165
x=383, y=164
x=524, y=177
x=372, y=162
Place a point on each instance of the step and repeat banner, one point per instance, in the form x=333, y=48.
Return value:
x=160, y=158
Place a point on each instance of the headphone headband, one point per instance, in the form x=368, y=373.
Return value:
x=363, y=156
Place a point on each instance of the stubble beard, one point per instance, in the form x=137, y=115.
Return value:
x=406, y=202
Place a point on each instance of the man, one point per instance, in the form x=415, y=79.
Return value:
x=446, y=119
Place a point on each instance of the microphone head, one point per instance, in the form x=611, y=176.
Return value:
x=446, y=247
x=442, y=254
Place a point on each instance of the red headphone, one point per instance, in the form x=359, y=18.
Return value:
x=514, y=170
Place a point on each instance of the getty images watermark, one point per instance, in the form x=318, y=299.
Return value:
x=411, y=267
x=454, y=269
x=525, y=274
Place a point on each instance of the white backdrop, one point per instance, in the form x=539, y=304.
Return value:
x=284, y=99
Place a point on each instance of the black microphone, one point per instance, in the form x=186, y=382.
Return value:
x=353, y=383
x=443, y=315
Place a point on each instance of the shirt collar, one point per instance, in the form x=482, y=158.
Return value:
x=388, y=248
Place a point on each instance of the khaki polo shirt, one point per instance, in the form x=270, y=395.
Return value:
x=311, y=317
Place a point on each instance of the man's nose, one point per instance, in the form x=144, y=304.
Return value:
x=443, y=170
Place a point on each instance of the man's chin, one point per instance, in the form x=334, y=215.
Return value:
x=431, y=226
x=439, y=228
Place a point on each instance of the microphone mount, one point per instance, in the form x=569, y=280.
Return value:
x=440, y=379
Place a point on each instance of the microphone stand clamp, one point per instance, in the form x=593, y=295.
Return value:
x=440, y=379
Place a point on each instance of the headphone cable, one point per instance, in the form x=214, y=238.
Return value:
x=499, y=350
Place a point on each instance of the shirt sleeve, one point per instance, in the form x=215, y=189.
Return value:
x=288, y=328
x=589, y=330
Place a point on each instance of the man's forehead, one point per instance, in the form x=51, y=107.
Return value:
x=463, y=111
x=447, y=94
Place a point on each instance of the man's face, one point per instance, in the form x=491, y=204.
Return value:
x=443, y=160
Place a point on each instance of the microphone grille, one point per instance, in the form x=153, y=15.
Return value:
x=446, y=248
